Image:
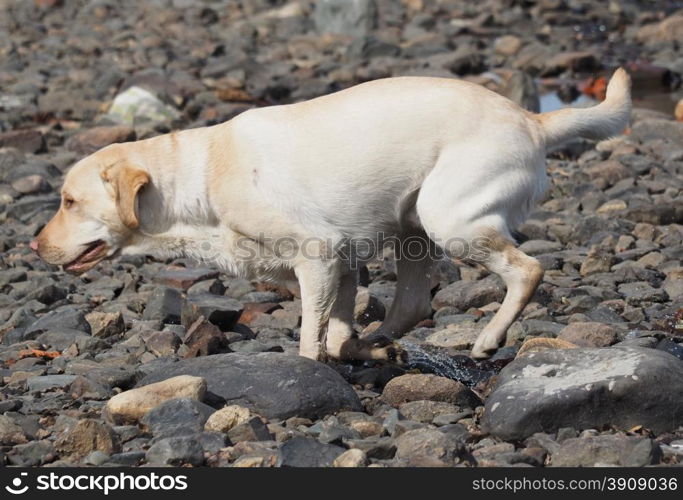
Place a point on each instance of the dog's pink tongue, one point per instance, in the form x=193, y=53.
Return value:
x=74, y=266
x=90, y=253
x=81, y=261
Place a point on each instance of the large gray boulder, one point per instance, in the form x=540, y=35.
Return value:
x=273, y=385
x=586, y=388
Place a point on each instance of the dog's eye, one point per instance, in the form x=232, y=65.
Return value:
x=68, y=201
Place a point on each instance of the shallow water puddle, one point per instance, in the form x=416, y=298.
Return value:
x=551, y=101
x=431, y=359
x=654, y=88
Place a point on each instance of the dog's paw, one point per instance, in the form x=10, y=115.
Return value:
x=397, y=354
x=484, y=349
x=391, y=352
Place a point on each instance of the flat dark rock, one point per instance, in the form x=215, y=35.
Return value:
x=273, y=385
x=586, y=388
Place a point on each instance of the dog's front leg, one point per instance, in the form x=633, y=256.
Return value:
x=319, y=281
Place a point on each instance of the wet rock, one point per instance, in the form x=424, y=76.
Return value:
x=428, y=448
x=307, y=452
x=672, y=348
x=586, y=388
x=130, y=406
x=86, y=436
x=96, y=138
x=589, y=334
x=615, y=450
x=270, y=384
x=176, y=451
x=415, y=387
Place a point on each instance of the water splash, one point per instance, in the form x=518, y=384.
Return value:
x=434, y=360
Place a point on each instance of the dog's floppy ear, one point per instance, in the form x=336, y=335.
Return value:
x=126, y=180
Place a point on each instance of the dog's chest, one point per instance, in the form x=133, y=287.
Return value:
x=217, y=247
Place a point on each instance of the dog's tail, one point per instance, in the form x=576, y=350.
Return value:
x=608, y=118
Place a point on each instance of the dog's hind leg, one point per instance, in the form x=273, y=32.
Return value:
x=467, y=205
x=521, y=275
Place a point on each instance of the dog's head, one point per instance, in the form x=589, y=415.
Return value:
x=97, y=213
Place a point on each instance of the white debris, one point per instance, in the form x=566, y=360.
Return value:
x=136, y=104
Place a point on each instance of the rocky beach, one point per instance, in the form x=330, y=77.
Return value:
x=142, y=362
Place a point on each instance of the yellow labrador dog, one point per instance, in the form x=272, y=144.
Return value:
x=401, y=157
